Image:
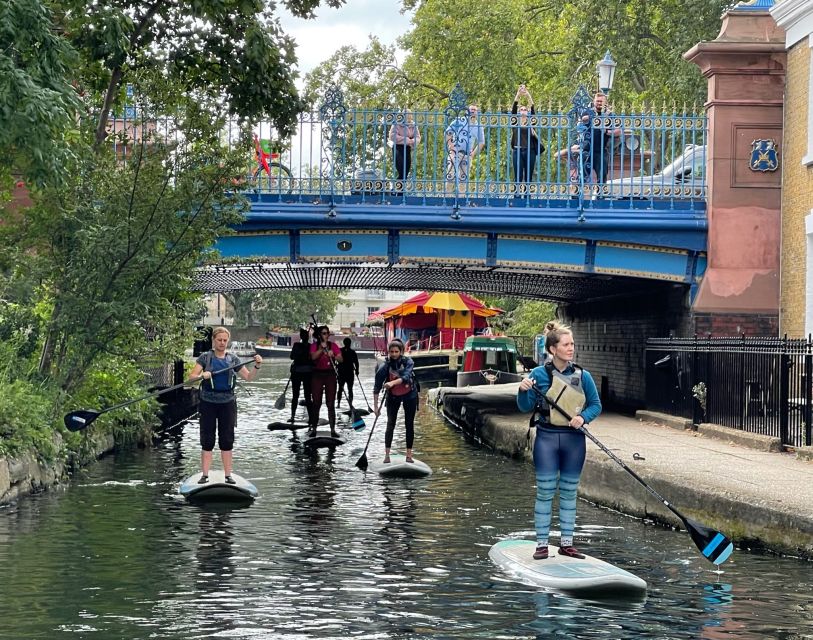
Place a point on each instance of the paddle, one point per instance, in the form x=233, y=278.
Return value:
x=280, y=403
x=363, y=393
x=714, y=545
x=357, y=423
x=361, y=463
x=82, y=418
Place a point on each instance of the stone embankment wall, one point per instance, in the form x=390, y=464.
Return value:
x=27, y=474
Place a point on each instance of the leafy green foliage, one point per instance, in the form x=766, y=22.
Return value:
x=288, y=309
x=213, y=52
x=115, y=247
x=551, y=46
x=521, y=317
x=38, y=105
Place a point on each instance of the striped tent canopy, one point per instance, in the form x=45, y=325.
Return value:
x=426, y=302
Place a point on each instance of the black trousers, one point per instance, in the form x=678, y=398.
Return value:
x=301, y=380
x=410, y=404
x=403, y=160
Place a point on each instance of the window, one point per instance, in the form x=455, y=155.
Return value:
x=372, y=310
x=809, y=279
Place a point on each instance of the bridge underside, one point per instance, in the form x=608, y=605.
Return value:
x=552, y=285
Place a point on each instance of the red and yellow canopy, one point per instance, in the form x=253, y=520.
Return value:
x=426, y=302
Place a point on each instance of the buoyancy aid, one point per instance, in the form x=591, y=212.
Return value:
x=567, y=390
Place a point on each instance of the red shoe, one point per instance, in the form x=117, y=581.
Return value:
x=570, y=552
x=541, y=553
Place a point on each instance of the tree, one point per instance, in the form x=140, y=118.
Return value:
x=288, y=309
x=218, y=53
x=114, y=247
x=38, y=105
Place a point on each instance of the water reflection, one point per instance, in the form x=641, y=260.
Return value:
x=330, y=552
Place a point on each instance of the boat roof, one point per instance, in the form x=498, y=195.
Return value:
x=490, y=343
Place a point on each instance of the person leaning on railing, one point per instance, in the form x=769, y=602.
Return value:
x=525, y=146
x=404, y=136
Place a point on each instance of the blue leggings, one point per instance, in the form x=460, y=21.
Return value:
x=558, y=459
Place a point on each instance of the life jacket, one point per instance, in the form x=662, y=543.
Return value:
x=223, y=382
x=399, y=389
x=567, y=390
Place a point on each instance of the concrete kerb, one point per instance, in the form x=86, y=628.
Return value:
x=727, y=434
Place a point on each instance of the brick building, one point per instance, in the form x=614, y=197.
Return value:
x=796, y=269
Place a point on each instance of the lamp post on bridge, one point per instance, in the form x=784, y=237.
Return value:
x=606, y=73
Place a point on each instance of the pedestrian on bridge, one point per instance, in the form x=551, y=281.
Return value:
x=404, y=136
x=465, y=138
x=218, y=407
x=525, y=146
x=324, y=355
x=559, y=447
x=396, y=375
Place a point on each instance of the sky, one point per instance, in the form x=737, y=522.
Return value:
x=353, y=23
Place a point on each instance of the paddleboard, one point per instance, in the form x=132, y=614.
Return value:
x=585, y=577
x=323, y=439
x=217, y=489
x=398, y=467
x=359, y=412
x=291, y=426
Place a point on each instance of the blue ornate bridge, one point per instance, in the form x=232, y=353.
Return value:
x=606, y=204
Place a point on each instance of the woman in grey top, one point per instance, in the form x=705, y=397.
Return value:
x=404, y=136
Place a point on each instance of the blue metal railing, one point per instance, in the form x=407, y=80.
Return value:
x=577, y=159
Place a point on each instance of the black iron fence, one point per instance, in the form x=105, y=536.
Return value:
x=758, y=385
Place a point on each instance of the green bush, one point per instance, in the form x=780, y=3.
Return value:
x=26, y=420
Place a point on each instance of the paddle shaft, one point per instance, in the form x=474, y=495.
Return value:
x=375, y=421
x=363, y=393
x=616, y=459
x=155, y=394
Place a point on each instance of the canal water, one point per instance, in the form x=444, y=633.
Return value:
x=329, y=552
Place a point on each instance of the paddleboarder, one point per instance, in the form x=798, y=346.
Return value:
x=324, y=353
x=348, y=370
x=301, y=371
x=396, y=376
x=218, y=407
x=559, y=448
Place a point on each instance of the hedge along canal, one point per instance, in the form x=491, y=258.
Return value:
x=328, y=552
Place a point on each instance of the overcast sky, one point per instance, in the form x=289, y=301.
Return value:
x=319, y=38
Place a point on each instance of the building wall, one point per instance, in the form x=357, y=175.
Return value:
x=797, y=197
x=611, y=338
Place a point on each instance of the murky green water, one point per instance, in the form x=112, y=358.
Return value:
x=328, y=552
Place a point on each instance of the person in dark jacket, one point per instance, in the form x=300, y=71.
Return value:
x=348, y=369
x=396, y=376
x=525, y=146
x=301, y=370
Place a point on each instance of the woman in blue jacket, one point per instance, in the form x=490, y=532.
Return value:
x=559, y=447
x=396, y=376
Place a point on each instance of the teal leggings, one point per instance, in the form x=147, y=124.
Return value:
x=558, y=459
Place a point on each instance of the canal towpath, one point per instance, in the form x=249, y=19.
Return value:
x=743, y=485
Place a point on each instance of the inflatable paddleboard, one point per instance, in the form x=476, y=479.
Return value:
x=586, y=577
x=217, y=489
x=290, y=426
x=398, y=467
x=323, y=439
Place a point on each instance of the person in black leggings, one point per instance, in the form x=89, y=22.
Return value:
x=301, y=371
x=396, y=376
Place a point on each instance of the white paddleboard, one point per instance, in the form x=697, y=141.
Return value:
x=323, y=439
x=398, y=467
x=587, y=577
x=217, y=489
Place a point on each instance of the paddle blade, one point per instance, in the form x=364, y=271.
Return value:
x=715, y=546
x=280, y=403
x=358, y=423
x=78, y=420
x=362, y=462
